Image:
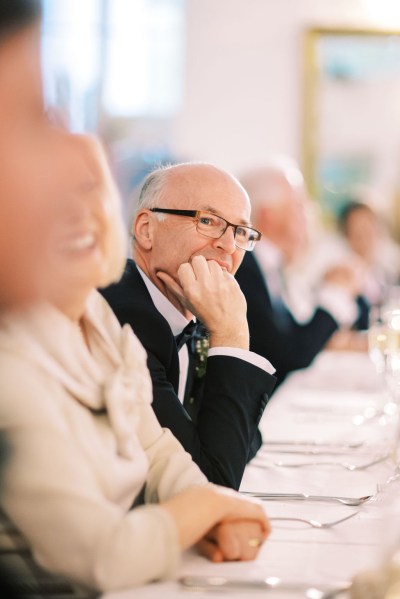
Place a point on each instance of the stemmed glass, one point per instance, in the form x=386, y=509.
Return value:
x=386, y=335
x=384, y=352
x=377, y=340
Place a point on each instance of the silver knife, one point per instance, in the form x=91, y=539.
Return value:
x=215, y=583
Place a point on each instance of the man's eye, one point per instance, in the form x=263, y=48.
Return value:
x=208, y=221
x=242, y=232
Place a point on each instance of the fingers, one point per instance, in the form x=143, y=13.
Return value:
x=229, y=541
x=201, y=267
x=172, y=285
x=246, y=508
x=187, y=275
x=237, y=541
x=210, y=550
x=240, y=507
x=214, y=297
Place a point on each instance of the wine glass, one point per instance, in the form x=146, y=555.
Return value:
x=392, y=352
x=391, y=360
x=377, y=340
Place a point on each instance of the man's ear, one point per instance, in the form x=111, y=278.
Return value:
x=143, y=229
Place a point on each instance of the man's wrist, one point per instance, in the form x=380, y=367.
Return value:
x=234, y=339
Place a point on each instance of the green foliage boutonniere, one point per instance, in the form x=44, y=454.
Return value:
x=201, y=351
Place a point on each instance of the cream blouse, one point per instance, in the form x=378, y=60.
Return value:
x=84, y=442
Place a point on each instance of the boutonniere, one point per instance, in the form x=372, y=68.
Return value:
x=201, y=352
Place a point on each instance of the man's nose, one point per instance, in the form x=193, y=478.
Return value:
x=227, y=240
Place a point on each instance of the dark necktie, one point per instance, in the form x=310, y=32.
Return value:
x=193, y=391
x=187, y=334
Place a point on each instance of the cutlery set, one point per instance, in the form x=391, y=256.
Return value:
x=307, y=448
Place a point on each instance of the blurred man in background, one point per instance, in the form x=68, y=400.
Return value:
x=279, y=206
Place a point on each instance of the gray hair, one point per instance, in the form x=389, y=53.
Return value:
x=265, y=184
x=152, y=190
x=151, y=193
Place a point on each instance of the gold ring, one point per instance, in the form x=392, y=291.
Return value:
x=255, y=542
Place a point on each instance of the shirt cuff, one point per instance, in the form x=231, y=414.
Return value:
x=339, y=303
x=243, y=354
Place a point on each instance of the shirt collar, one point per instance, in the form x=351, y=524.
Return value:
x=175, y=319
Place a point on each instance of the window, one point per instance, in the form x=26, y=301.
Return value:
x=113, y=58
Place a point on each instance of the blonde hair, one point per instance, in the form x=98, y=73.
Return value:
x=116, y=235
x=117, y=239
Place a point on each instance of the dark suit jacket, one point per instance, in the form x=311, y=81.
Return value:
x=234, y=396
x=274, y=334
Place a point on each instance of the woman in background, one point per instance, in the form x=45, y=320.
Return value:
x=366, y=237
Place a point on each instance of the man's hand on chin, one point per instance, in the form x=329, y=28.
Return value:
x=213, y=295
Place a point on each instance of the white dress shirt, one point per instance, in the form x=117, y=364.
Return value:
x=177, y=322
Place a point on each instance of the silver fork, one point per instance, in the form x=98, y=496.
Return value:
x=265, y=496
x=346, y=465
x=313, y=523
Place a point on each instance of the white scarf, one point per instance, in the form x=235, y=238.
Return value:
x=113, y=375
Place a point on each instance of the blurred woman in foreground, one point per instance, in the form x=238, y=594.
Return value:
x=84, y=440
x=76, y=409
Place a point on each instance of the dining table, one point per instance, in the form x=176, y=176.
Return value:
x=326, y=476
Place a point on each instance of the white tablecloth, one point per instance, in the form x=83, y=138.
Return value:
x=337, y=401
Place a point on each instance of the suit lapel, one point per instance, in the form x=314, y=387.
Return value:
x=141, y=296
x=252, y=276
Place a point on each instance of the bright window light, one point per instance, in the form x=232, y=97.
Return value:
x=121, y=58
x=144, y=58
x=383, y=12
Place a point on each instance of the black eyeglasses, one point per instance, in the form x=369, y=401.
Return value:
x=214, y=226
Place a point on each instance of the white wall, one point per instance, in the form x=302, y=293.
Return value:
x=244, y=74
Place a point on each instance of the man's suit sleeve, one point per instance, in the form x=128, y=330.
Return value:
x=236, y=392
x=292, y=346
x=227, y=420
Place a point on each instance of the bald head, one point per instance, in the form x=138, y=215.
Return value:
x=272, y=183
x=185, y=183
x=278, y=199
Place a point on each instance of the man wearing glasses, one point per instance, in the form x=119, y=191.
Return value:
x=190, y=233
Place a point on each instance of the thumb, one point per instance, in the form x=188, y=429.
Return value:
x=172, y=285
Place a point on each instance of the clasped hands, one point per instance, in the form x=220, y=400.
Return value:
x=225, y=525
x=233, y=541
x=241, y=531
